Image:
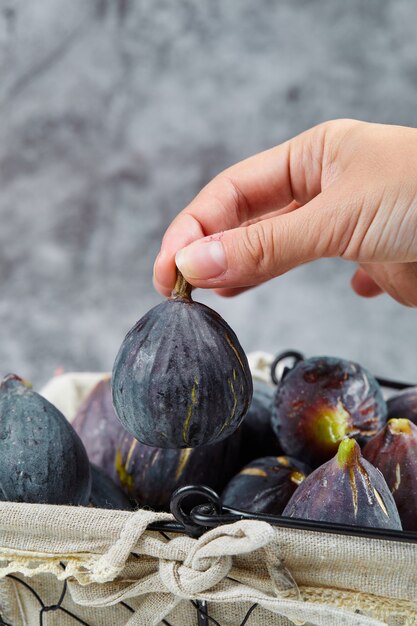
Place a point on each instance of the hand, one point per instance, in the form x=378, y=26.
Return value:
x=341, y=189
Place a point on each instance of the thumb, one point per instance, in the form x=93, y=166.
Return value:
x=248, y=256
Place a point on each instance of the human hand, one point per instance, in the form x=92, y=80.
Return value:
x=341, y=189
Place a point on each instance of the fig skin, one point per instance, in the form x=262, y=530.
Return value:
x=265, y=485
x=394, y=452
x=258, y=438
x=346, y=490
x=105, y=494
x=98, y=427
x=181, y=378
x=150, y=475
x=321, y=401
x=42, y=458
x=403, y=405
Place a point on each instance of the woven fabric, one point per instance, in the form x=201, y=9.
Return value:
x=115, y=571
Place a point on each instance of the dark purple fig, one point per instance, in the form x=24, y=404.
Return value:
x=258, y=438
x=265, y=485
x=404, y=405
x=105, y=494
x=181, y=378
x=42, y=458
x=150, y=475
x=394, y=452
x=345, y=490
x=98, y=426
x=321, y=401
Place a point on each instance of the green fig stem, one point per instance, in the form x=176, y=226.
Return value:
x=399, y=426
x=182, y=289
x=348, y=452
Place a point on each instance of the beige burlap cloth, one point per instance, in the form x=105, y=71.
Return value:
x=118, y=572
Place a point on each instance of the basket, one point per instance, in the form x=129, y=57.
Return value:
x=211, y=566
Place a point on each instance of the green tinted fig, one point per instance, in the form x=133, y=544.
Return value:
x=345, y=490
x=320, y=402
x=105, y=494
x=258, y=438
x=181, y=378
x=42, y=458
x=98, y=426
x=403, y=405
x=265, y=485
x=150, y=475
x=394, y=452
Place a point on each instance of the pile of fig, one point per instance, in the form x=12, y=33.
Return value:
x=181, y=408
x=317, y=446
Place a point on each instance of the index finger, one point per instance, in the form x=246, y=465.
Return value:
x=268, y=181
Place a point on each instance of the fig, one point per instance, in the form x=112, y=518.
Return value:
x=394, y=452
x=105, y=494
x=265, y=485
x=320, y=402
x=181, y=378
x=42, y=458
x=258, y=438
x=150, y=475
x=345, y=490
x=99, y=428
x=403, y=405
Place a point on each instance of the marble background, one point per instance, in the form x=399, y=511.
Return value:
x=113, y=114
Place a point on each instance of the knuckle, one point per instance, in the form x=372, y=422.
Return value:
x=339, y=124
x=258, y=247
x=231, y=198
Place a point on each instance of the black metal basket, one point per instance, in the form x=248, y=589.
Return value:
x=211, y=513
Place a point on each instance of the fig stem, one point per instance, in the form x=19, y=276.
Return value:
x=348, y=452
x=399, y=426
x=182, y=288
x=22, y=381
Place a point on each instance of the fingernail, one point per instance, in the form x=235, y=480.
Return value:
x=202, y=260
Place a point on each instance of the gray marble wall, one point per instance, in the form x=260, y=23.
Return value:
x=113, y=114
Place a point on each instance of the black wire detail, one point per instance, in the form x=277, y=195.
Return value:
x=180, y=496
x=164, y=535
x=206, y=616
x=201, y=607
x=44, y=608
x=293, y=354
x=33, y=592
x=298, y=356
x=71, y=614
x=248, y=614
x=202, y=613
x=393, y=384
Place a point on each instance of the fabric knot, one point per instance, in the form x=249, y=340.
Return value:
x=185, y=581
x=209, y=559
